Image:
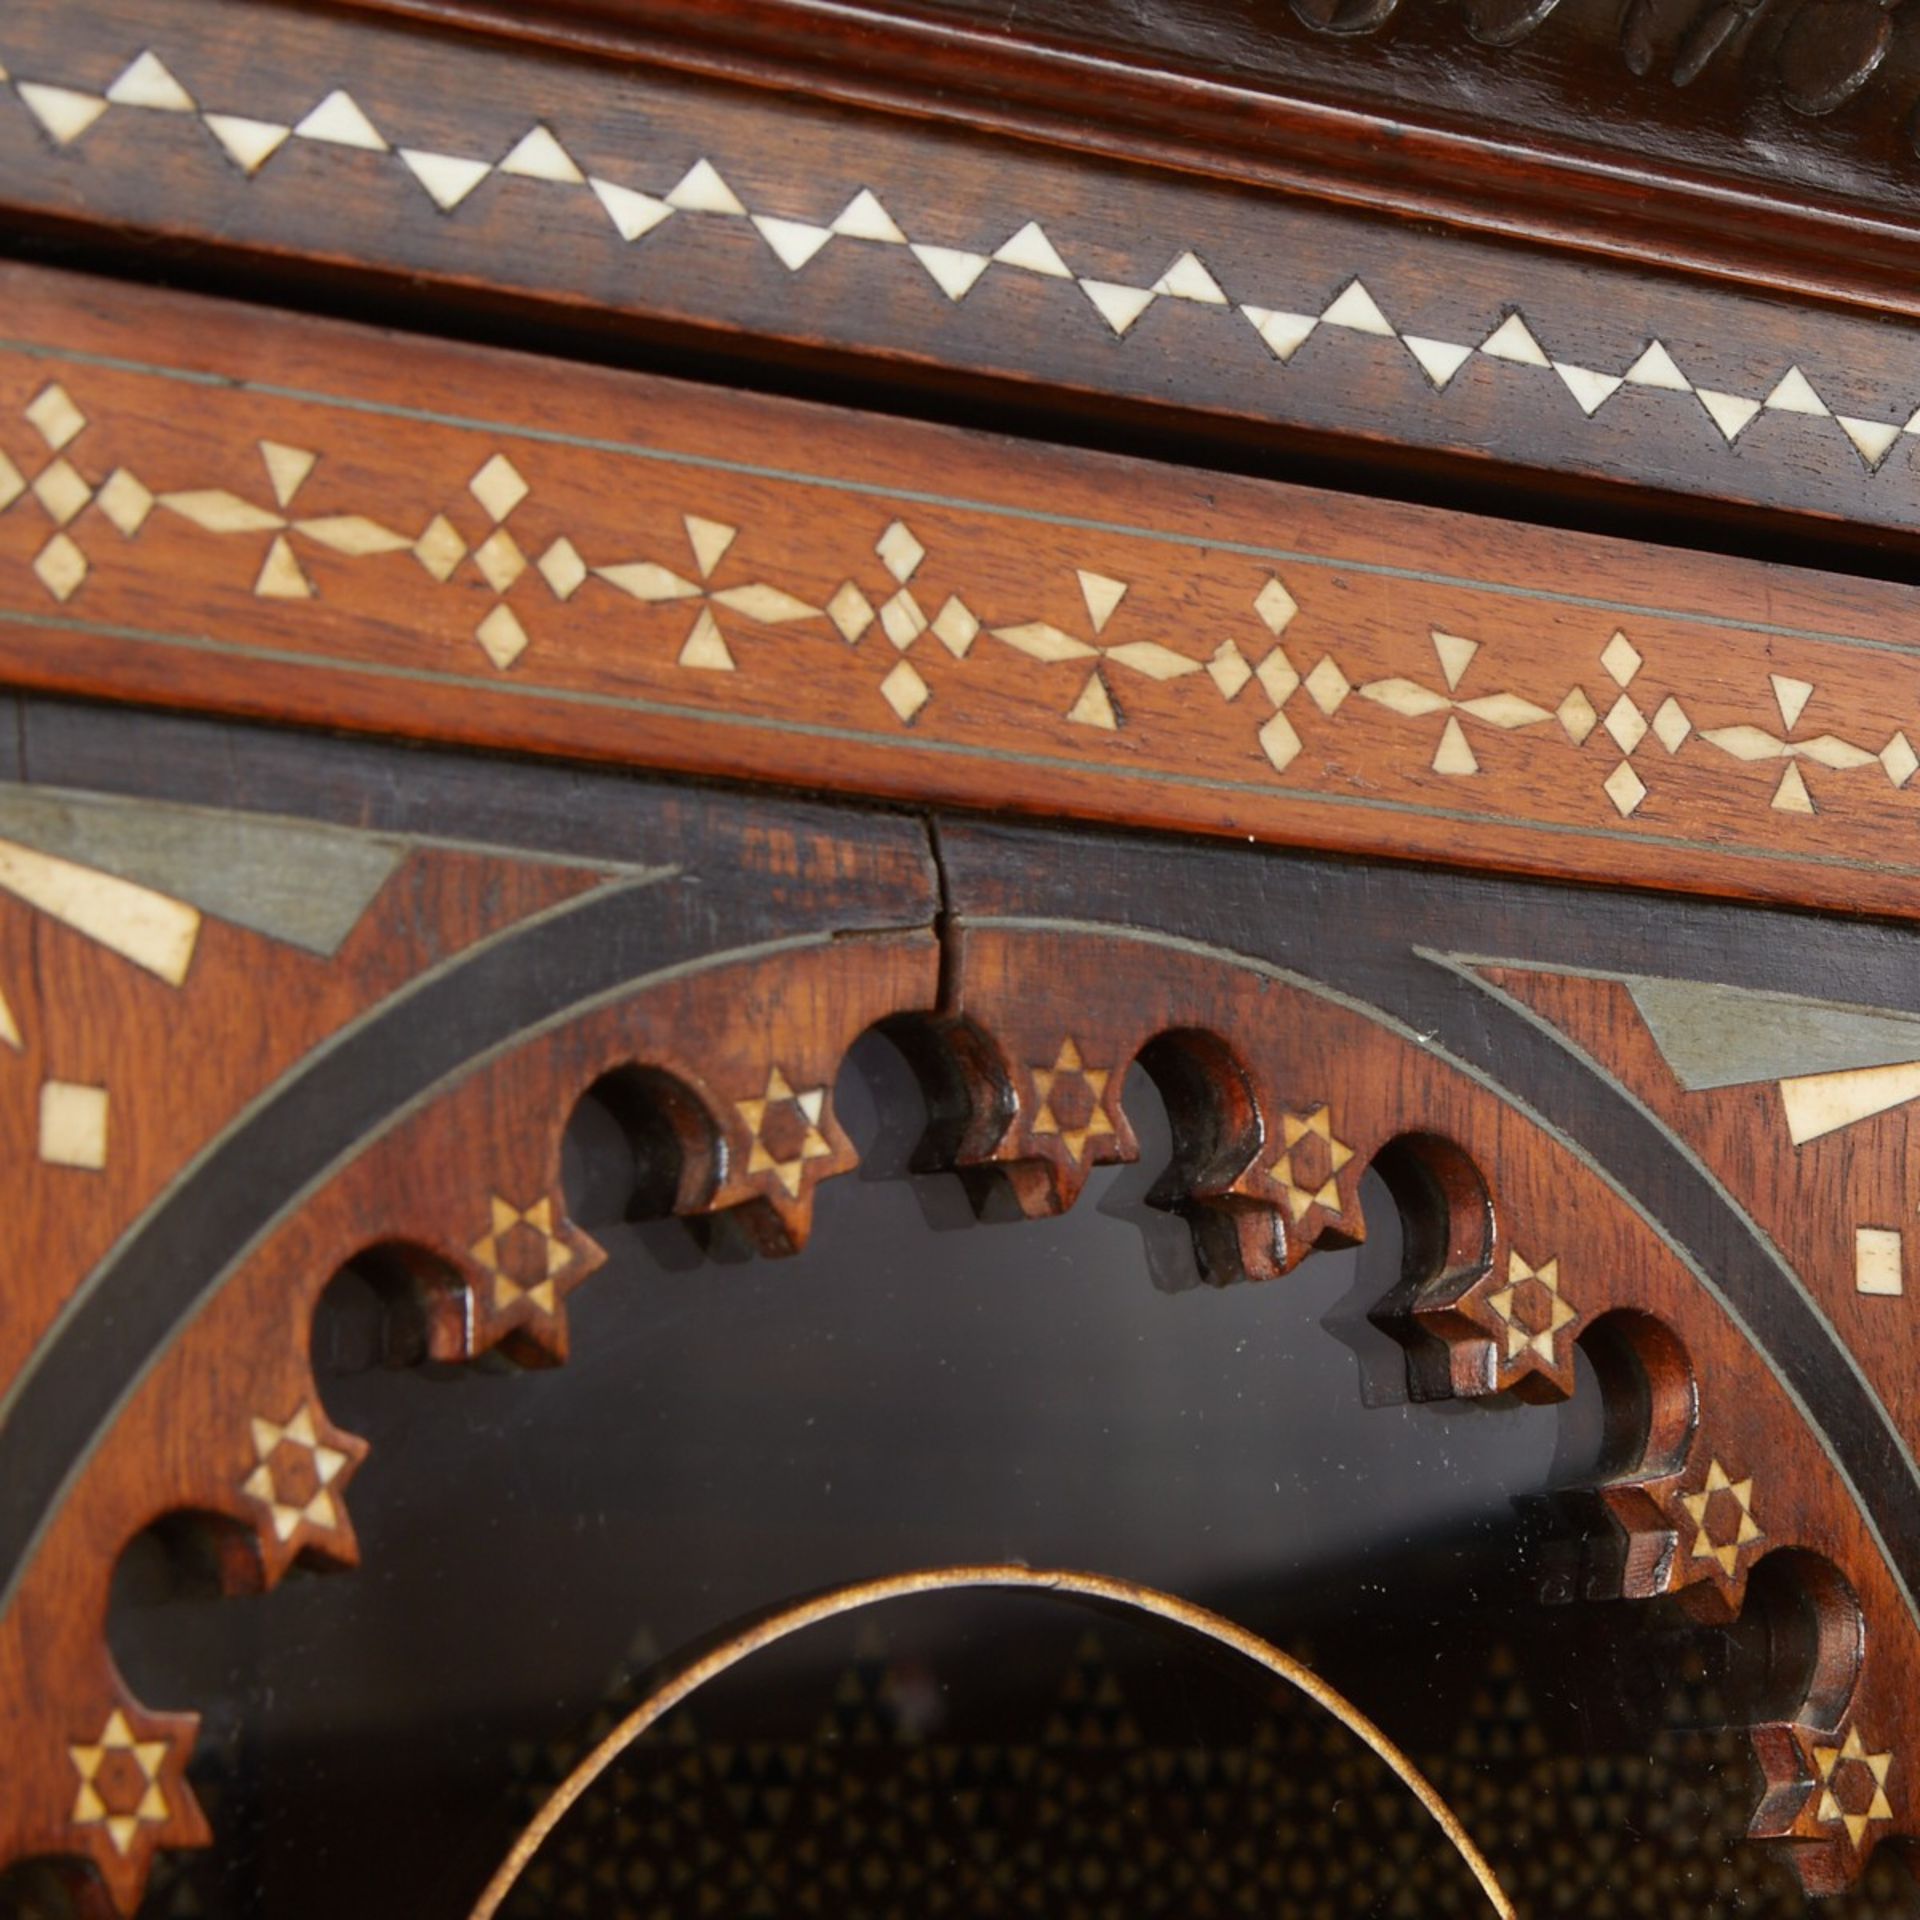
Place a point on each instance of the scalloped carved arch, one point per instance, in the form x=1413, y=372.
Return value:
x=1283, y=1092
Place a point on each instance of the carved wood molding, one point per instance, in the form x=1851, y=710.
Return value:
x=931, y=258
x=1816, y=53
x=1730, y=136
x=421, y=1134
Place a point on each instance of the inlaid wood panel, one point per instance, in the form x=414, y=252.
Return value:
x=465, y=545
x=710, y=995
x=1802, y=1106
x=124, y=1069
x=500, y=1256
x=606, y=196
x=1739, y=138
x=198, y=1003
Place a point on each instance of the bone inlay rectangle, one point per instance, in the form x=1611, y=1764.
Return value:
x=252, y=513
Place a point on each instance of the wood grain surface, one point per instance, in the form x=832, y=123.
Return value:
x=211, y=1013
x=473, y=183
x=709, y=988
x=1771, y=139
x=252, y=514
x=274, y=1004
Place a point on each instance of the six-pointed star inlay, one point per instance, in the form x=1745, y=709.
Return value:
x=1072, y=1100
x=523, y=1253
x=785, y=1127
x=1722, y=1514
x=1853, y=1785
x=1531, y=1308
x=120, y=1789
x=1308, y=1168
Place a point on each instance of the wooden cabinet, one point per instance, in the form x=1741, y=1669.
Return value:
x=994, y=930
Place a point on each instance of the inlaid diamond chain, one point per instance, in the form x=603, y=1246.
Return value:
x=1101, y=654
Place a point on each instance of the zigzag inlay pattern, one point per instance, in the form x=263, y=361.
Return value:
x=670, y=188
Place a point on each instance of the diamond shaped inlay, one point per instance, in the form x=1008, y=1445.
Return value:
x=900, y=553
x=1621, y=659
x=904, y=691
x=851, y=612
x=1327, y=687
x=498, y=486
x=1275, y=606
x=61, y=491
x=61, y=567
x=1626, y=723
x=1577, y=715
x=1671, y=725
x=1624, y=788
x=54, y=415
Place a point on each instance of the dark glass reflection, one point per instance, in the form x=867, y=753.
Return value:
x=997, y=1753
x=917, y=1390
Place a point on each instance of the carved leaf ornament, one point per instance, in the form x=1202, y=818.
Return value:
x=1819, y=53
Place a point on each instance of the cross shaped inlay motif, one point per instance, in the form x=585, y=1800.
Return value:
x=706, y=646
x=1454, y=753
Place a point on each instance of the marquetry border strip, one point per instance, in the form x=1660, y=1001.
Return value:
x=1441, y=689
x=149, y=89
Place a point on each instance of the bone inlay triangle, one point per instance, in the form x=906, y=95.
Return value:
x=1823, y=1103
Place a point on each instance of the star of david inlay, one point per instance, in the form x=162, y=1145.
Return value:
x=1072, y=1100
x=1853, y=1786
x=1531, y=1308
x=523, y=1255
x=785, y=1127
x=1722, y=1515
x=295, y=1475
x=120, y=1788
x=1309, y=1168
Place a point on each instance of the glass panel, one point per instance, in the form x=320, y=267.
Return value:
x=917, y=1390
x=997, y=1752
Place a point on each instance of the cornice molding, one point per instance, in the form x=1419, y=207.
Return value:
x=1766, y=141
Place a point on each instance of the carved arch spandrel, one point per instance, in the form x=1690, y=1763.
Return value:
x=1282, y=1094
x=228, y=1425
x=1520, y=1247
x=119, y=1043
x=1804, y=1109
x=204, y=1012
